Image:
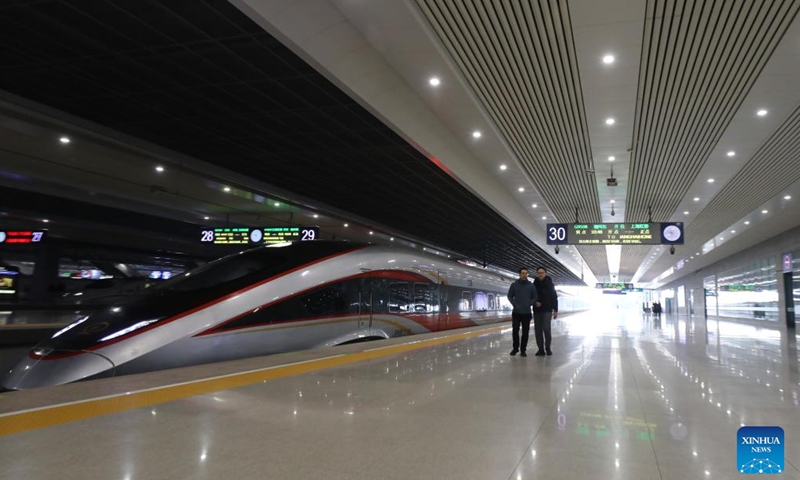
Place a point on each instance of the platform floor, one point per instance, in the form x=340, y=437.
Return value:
x=623, y=397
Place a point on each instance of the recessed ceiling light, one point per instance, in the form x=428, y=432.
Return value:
x=764, y=211
x=371, y=232
x=434, y=81
x=710, y=180
x=608, y=59
x=722, y=238
x=227, y=189
x=696, y=199
x=503, y=167
x=747, y=222
x=731, y=153
x=733, y=231
x=64, y=140
x=159, y=169
x=534, y=205
x=45, y=220
x=316, y=216
x=613, y=201
x=761, y=113
x=205, y=218
x=686, y=212
x=521, y=189
x=346, y=224
x=476, y=134
x=610, y=121
x=277, y=204
x=544, y=218
x=611, y=158
x=392, y=239
x=787, y=197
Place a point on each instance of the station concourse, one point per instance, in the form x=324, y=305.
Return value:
x=624, y=397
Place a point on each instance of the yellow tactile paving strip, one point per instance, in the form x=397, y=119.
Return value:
x=17, y=422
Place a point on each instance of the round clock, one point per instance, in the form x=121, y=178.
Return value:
x=672, y=233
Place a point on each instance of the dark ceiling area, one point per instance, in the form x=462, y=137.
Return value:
x=201, y=78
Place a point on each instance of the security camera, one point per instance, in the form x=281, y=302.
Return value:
x=672, y=250
x=557, y=250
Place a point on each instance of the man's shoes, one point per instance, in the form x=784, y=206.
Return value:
x=540, y=353
x=513, y=352
x=523, y=354
x=549, y=352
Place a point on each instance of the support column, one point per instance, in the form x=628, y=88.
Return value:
x=786, y=307
x=45, y=274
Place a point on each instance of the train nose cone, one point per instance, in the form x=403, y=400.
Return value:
x=52, y=368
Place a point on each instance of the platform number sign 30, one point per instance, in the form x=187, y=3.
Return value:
x=556, y=233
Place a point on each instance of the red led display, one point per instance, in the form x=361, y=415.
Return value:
x=21, y=236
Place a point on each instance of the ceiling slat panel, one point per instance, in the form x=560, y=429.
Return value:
x=519, y=58
x=698, y=62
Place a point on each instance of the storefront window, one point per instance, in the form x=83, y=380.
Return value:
x=749, y=291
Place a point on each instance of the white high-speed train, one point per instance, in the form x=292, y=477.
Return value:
x=269, y=300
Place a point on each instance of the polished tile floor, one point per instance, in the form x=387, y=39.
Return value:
x=623, y=397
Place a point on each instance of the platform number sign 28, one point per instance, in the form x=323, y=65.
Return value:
x=208, y=236
x=557, y=234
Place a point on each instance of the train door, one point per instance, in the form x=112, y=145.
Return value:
x=365, y=302
x=443, y=309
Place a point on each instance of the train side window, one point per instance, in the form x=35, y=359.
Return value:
x=325, y=301
x=492, y=305
x=399, y=297
x=481, y=303
x=466, y=302
x=426, y=298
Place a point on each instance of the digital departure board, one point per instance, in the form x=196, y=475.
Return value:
x=258, y=236
x=615, y=233
x=21, y=236
x=614, y=286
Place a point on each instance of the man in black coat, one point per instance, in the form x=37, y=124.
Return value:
x=522, y=295
x=544, y=310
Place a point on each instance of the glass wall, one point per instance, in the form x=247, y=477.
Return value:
x=749, y=291
x=796, y=281
x=710, y=286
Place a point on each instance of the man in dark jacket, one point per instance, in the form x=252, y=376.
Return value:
x=544, y=310
x=522, y=295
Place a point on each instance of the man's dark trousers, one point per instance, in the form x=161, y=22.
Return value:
x=518, y=319
x=541, y=326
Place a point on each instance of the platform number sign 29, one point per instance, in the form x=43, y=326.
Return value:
x=557, y=234
x=308, y=234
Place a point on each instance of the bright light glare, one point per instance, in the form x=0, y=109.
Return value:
x=128, y=330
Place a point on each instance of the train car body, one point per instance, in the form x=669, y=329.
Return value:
x=265, y=301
